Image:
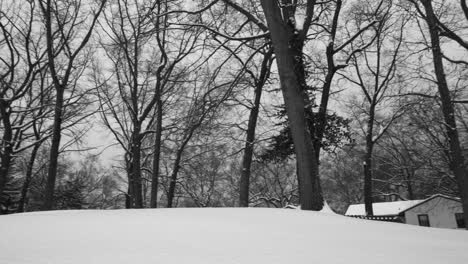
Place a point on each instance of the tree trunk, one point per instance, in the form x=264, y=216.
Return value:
x=157, y=152
x=128, y=196
x=368, y=162
x=7, y=146
x=173, y=182
x=457, y=159
x=137, y=195
x=288, y=51
x=28, y=177
x=54, y=151
x=250, y=137
x=409, y=184
x=248, y=151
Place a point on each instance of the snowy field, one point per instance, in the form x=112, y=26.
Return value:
x=217, y=236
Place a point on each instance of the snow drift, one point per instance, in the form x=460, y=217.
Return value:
x=252, y=235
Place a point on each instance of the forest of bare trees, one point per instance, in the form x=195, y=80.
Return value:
x=213, y=103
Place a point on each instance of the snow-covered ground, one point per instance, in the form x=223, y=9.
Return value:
x=217, y=236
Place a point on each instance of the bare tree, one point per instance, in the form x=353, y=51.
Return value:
x=234, y=39
x=40, y=129
x=63, y=22
x=436, y=30
x=378, y=79
x=145, y=75
x=207, y=96
x=22, y=63
x=289, y=37
x=344, y=42
x=259, y=82
x=328, y=24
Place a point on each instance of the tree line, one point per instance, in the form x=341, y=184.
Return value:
x=232, y=103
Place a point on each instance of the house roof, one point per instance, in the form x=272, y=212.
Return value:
x=391, y=208
x=380, y=209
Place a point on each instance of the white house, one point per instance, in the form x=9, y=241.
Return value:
x=436, y=211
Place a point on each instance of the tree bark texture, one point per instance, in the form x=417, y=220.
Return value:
x=288, y=51
x=7, y=146
x=368, y=200
x=157, y=152
x=137, y=194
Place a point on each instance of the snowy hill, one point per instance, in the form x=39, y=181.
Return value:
x=165, y=236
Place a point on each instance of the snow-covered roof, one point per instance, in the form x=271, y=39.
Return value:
x=390, y=208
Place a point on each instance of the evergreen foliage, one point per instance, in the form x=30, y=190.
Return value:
x=337, y=134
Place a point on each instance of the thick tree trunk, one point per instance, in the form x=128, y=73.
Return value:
x=137, y=195
x=28, y=178
x=368, y=200
x=7, y=146
x=48, y=203
x=157, y=153
x=456, y=154
x=244, y=184
x=288, y=53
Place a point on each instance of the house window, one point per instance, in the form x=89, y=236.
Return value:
x=460, y=220
x=423, y=220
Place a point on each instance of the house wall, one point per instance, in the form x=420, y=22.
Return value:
x=441, y=212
